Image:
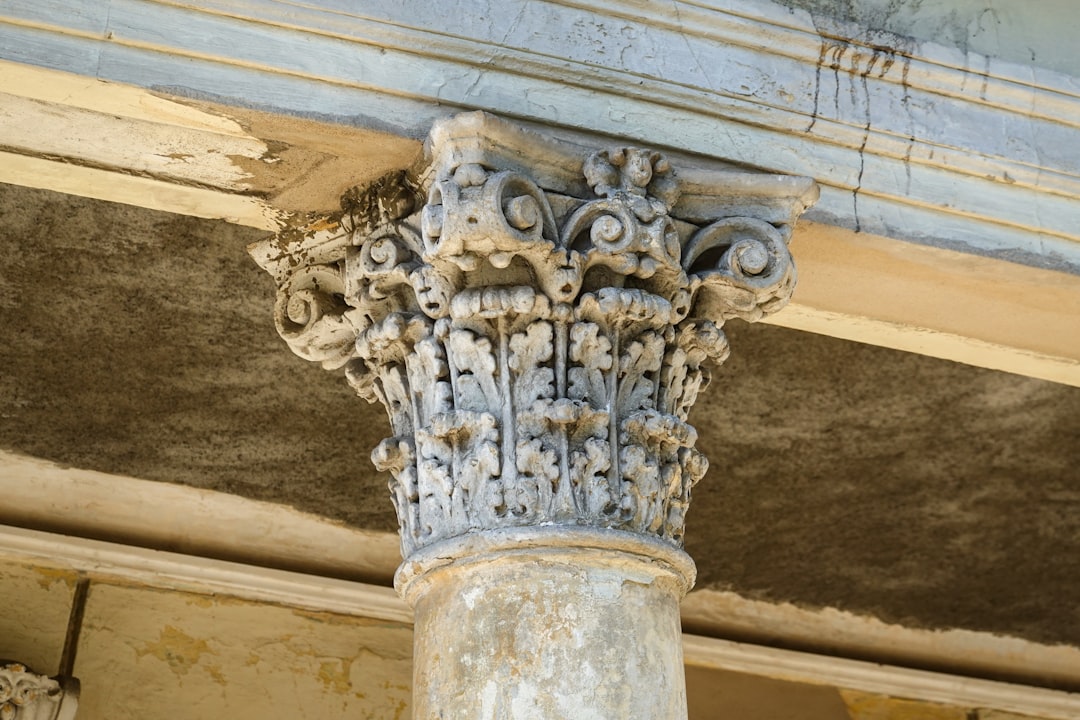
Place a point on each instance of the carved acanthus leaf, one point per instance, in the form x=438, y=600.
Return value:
x=537, y=338
x=25, y=695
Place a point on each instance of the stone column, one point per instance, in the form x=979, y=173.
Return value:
x=537, y=318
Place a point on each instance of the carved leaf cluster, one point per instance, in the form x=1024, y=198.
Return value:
x=537, y=353
x=25, y=695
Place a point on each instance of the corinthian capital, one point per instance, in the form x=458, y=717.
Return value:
x=537, y=319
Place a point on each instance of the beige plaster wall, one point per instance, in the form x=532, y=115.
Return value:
x=36, y=603
x=148, y=654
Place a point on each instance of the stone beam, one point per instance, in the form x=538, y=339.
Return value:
x=537, y=318
x=84, y=136
x=920, y=141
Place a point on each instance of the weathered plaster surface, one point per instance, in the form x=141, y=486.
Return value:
x=37, y=603
x=241, y=659
x=745, y=696
x=118, y=317
x=1011, y=30
x=921, y=491
x=864, y=706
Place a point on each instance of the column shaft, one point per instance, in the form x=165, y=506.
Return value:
x=517, y=631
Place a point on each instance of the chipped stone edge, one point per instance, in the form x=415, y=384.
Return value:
x=550, y=543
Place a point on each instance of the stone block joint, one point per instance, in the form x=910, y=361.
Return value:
x=537, y=319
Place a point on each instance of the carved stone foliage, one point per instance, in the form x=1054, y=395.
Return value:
x=537, y=346
x=24, y=695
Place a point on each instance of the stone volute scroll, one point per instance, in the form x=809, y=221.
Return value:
x=537, y=318
x=537, y=333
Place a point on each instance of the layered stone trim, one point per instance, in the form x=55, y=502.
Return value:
x=25, y=695
x=537, y=319
x=550, y=543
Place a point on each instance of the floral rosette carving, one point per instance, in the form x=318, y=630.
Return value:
x=537, y=350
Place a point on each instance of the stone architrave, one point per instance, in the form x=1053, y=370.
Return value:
x=537, y=318
x=25, y=695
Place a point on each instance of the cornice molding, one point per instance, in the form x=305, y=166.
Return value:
x=538, y=326
x=914, y=141
x=951, y=163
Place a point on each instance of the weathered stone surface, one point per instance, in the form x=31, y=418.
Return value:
x=538, y=330
x=522, y=627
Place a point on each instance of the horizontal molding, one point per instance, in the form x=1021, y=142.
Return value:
x=169, y=156
x=926, y=341
x=838, y=633
x=158, y=515
x=63, y=176
x=184, y=156
x=73, y=134
x=920, y=143
x=111, y=562
x=106, y=562
x=936, y=69
x=931, y=301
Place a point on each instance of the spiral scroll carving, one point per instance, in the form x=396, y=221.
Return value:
x=537, y=350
